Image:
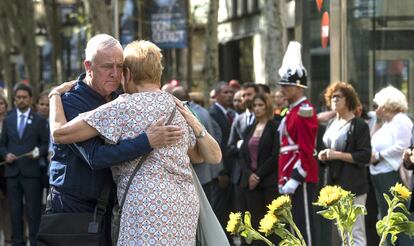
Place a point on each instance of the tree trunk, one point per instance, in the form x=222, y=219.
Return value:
x=21, y=16
x=211, y=59
x=189, y=59
x=274, y=39
x=5, y=48
x=99, y=14
x=53, y=23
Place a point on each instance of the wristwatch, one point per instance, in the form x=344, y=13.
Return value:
x=202, y=133
x=378, y=156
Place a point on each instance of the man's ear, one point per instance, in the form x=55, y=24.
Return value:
x=88, y=67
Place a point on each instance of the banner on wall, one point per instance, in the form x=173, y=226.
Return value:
x=168, y=23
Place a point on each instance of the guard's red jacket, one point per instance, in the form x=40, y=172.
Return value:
x=298, y=133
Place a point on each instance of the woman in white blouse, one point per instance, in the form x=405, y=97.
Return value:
x=388, y=144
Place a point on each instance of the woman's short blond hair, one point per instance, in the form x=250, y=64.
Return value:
x=391, y=99
x=143, y=59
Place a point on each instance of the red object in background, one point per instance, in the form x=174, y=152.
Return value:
x=325, y=30
x=397, y=67
x=234, y=84
x=174, y=82
x=25, y=81
x=319, y=4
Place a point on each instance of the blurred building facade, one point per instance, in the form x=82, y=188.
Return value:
x=370, y=45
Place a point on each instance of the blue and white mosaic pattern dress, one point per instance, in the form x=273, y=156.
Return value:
x=161, y=206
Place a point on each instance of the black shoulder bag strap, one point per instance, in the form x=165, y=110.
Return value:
x=138, y=166
x=100, y=208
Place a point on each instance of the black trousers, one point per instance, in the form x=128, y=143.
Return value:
x=29, y=188
x=257, y=201
x=302, y=211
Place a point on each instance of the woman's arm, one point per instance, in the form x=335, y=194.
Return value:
x=399, y=133
x=206, y=149
x=338, y=155
x=64, y=132
x=359, y=149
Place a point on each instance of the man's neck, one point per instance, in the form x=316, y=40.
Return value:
x=88, y=82
x=222, y=105
x=297, y=101
x=148, y=86
x=22, y=111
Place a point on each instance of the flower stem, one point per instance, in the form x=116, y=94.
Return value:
x=387, y=221
x=295, y=228
x=264, y=239
x=351, y=238
x=343, y=236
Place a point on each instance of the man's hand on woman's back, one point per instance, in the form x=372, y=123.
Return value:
x=160, y=135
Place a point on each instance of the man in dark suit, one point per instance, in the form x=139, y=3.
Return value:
x=206, y=172
x=222, y=189
x=24, y=138
x=237, y=134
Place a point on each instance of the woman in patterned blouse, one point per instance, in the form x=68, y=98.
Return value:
x=161, y=205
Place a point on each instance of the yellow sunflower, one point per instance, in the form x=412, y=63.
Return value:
x=401, y=191
x=234, y=223
x=280, y=203
x=266, y=224
x=330, y=195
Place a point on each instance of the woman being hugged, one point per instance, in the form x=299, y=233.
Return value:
x=259, y=153
x=348, y=149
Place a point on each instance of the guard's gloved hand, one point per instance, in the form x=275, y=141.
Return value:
x=290, y=186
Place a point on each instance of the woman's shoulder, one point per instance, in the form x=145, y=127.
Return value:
x=360, y=124
x=360, y=121
x=402, y=117
x=400, y=121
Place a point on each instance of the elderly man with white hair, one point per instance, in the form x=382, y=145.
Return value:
x=388, y=144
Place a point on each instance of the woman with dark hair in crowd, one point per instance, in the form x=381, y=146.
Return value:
x=348, y=149
x=259, y=153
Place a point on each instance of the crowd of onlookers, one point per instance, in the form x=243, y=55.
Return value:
x=360, y=150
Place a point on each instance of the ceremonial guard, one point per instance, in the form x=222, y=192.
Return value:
x=298, y=168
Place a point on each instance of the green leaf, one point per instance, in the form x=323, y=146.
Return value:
x=359, y=209
x=328, y=214
x=406, y=226
x=398, y=216
x=247, y=219
x=248, y=236
x=380, y=227
x=387, y=199
x=402, y=207
x=244, y=233
x=393, y=239
x=282, y=232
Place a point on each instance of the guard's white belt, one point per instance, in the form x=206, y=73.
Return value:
x=289, y=148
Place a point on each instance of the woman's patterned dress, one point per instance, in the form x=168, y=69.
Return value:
x=161, y=207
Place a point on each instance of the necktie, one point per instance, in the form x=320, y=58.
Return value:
x=21, y=125
x=250, y=120
x=230, y=117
